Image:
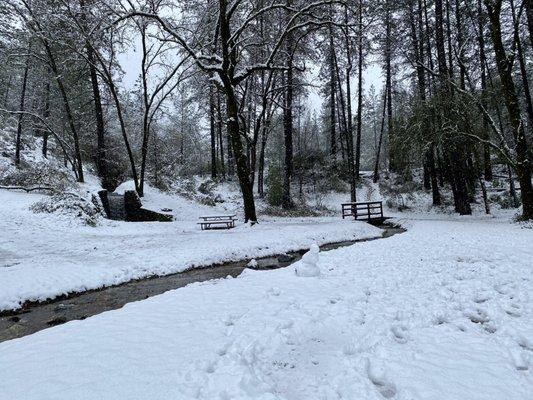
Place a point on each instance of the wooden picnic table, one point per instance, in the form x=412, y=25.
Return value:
x=217, y=222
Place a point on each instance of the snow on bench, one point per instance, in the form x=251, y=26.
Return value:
x=217, y=222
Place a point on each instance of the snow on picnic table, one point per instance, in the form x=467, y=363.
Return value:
x=443, y=311
x=43, y=256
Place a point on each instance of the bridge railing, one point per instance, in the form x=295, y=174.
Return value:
x=364, y=211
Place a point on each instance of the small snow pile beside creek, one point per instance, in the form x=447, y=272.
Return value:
x=308, y=265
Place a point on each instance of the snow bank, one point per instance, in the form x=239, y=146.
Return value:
x=443, y=311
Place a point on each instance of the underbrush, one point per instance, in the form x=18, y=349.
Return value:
x=86, y=210
x=41, y=174
x=300, y=209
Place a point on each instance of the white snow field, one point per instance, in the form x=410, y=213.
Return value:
x=443, y=311
x=44, y=255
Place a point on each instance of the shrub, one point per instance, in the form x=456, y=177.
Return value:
x=71, y=205
x=42, y=174
x=274, y=183
x=505, y=201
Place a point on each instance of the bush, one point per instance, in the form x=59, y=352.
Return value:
x=71, y=205
x=331, y=183
x=505, y=201
x=274, y=183
x=43, y=174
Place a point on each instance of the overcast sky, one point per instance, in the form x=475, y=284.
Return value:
x=131, y=64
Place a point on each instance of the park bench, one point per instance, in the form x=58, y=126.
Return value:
x=368, y=211
x=217, y=222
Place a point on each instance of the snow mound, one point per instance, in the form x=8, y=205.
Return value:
x=308, y=266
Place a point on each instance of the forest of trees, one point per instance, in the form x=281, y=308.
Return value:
x=222, y=87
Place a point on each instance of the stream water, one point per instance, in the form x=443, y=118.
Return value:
x=34, y=317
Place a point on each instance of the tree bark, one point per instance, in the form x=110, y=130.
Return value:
x=359, y=90
x=286, y=201
x=388, y=83
x=212, y=131
x=101, y=148
x=487, y=163
x=523, y=166
x=522, y=64
x=22, y=107
x=378, y=153
x=349, y=124
x=46, y=115
x=529, y=14
x=332, y=86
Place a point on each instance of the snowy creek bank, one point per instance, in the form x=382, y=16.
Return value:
x=36, y=316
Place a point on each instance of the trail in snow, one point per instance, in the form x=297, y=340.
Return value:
x=443, y=311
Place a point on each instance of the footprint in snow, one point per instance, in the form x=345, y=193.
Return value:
x=224, y=349
x=477, y=316
x=273, y=291
x=513, y=310
x=480, y=298
x=377, y=375
x=503, y=289
x=400, y=333
x=440, y=319
x=521, y=359
x=524, y=342
x=210, y=366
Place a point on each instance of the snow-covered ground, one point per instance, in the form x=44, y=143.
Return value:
x=46, y=255
x=444, y=311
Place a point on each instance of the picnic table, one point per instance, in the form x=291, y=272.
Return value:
x=217, y=222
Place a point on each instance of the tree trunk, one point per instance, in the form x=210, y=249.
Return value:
x=522, y=64
x=101, y=149
x=349, y=125
x=232, y=110
x=433, y=175
x=523, y=166
x=220, y=137
x=388, y=83
x=261, y=168
x=378, y=153
x=22, y=106
x=286, y=201
x=359, y=90
x=332, y=85
x=46, y=115
x=529, y=14
x=487, y=164
x=213, y=133
x=68, y=111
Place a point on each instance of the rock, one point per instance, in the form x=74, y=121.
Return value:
x=62, y=307
x=57, y=321
x=285, y=258
x=135, y=212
